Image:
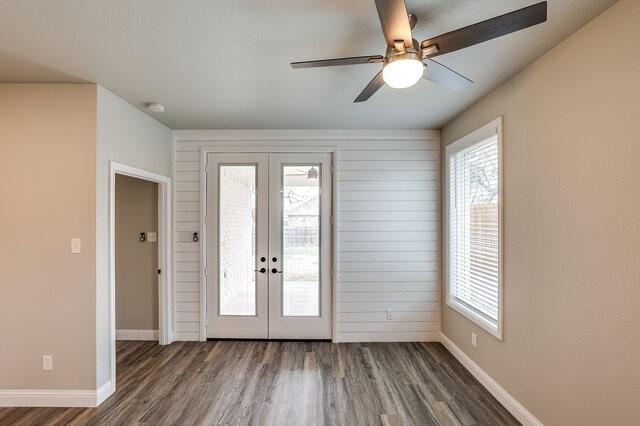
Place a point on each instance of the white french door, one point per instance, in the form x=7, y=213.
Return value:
x=268, y=246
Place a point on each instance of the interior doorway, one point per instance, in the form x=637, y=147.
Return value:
x=269, y=245
x=136, y=250
x=165, y=321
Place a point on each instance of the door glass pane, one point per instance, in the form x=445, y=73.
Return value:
x=237, y=250
x=301, y=240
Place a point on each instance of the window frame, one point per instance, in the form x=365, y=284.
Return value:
x=492, y=128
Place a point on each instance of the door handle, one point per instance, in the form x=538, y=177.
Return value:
x=261, y=270
x=275, y=271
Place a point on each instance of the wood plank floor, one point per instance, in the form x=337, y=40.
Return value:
x=283, y=383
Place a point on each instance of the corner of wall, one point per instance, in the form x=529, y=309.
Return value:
x=126, y=135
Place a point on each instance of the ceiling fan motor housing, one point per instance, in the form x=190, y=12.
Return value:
x=399, y=51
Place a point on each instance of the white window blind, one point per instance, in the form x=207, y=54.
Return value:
x=474, y=227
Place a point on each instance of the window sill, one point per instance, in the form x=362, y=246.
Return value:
x=494, y=329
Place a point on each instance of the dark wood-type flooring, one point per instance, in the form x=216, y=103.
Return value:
x=283, y=383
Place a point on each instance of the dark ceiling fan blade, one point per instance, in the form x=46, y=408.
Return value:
x=395, y=21
x=445, y=76
x=353, y=60
x=373, y=86
x=487, y=30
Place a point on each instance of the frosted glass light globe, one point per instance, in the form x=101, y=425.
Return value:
x=402, y=73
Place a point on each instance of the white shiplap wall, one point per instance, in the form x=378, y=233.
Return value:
x=387, y=219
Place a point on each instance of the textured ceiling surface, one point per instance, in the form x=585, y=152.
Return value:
x=225, y=63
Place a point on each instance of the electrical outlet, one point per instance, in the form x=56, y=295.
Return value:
x=389, y=314
x=47, y=362
x=474, y=340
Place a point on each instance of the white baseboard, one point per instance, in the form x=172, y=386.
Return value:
x=47, y=398
x=187, y=336
x=509, y=402
x=55, y=398
x=104, y=392
x=388, y=336
x=137, y=334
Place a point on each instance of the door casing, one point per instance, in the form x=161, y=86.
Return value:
x=204, y=240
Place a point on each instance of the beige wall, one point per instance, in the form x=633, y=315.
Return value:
x=56, y=144
x=47, y=197
x=571, y=350
x=136, y=262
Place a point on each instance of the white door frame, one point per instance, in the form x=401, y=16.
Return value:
x=165, y=289
x=204, y=151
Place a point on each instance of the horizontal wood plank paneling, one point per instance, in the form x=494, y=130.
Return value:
x=387, y=236
x=191, y=155
x=388, y=206
x=187, y=166
x=187, y=336
x=387, y=256
x=188, y=317
x=378, y=155
x=388, y=175
x=407, y=286
x=190, y=286
x=188, y=177
x=383, y=306
x=187, y=206
x=384, y=246
x=191, y=266
x=187, y=306
x=387, y=196
x=365, y=327
x=383, y=216
x=188, y=196
x=388, y=185
x=389, y=276
x=427, y=225
x=186, y=186
x=388, y=165
x=382, y=266
x=188, y=326
x=360, y=317
x=187, y=217
x=188, y=226
x=187, y=296
x=389, y=296
x=387, y=219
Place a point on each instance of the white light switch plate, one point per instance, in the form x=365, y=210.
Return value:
x=152, y=237
x=76, y=246
x=474, y=340
x=47, y=362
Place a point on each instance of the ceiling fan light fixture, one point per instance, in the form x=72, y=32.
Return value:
x=403, y=70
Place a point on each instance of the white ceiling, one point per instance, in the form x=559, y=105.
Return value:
x=225, y=63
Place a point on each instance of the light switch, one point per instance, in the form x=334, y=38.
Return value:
x=152, y=237
x=47, y=362
x=75, y=246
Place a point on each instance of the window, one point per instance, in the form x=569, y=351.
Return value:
x=474, y=227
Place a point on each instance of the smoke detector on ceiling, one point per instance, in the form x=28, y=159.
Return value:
x=154, y=107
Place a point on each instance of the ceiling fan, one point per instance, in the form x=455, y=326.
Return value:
x=406, y=60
